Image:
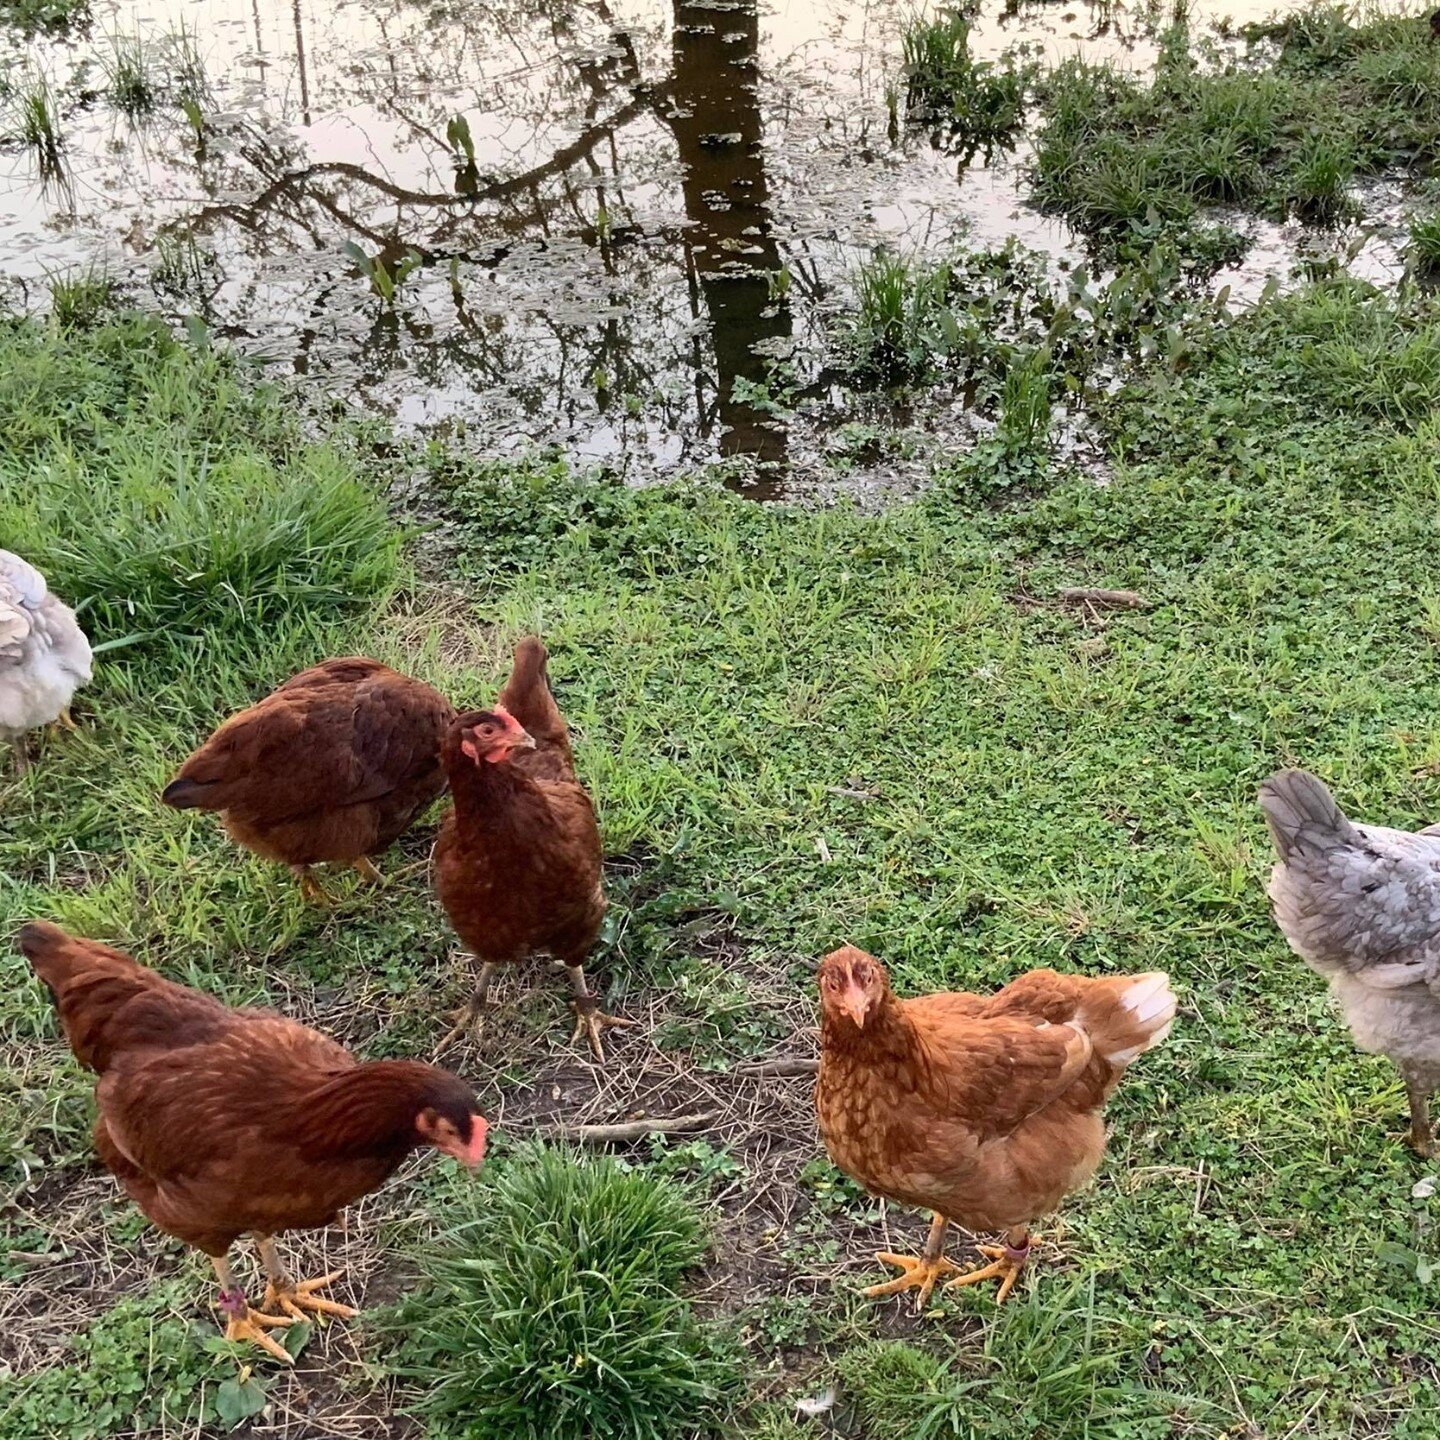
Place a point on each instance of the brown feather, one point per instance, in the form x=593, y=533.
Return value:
x=332, y=766
x=219, y=1121
x=987, y=1110
x=518, y=860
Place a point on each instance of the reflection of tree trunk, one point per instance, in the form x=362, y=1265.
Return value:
x=300, y=58
x=715, y=115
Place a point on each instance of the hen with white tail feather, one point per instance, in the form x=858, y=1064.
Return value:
x=1361, y=905
x=44, y=655
x=986, y=1110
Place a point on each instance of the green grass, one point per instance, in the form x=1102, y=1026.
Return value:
x=200, y=509
x=1340, y=98
x=1060, y=1366
x=132, y=75
x=1423, y=250
x=1044, y=788
x=34, y=118
x=552, y=1309
x=34, y=17
x=979, y=105
x=81, y=299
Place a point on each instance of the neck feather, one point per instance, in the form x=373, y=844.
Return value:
x=367, y=1110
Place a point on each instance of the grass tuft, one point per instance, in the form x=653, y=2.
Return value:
x=200, y=509
x=1283, y=132
x=35, y=116
x=553, y=1311
x=979, y=104
x=130, y=75
x=82, y=299
x=1424, y=247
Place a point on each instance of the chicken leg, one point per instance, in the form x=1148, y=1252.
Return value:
x=590, y=1020
x=1422, y=1137
x=368, y=873
x=921, y=1273
x=470, y=1017
x=243, y=1323
x=20, y=754
x=310, y=887
x=1006, y=1263
x=293, y=1297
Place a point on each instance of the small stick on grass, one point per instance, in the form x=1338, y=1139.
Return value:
x=634, y=1129
x=1105, y=599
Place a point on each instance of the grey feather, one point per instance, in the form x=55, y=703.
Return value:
x=44, y=655
x=1360, y=904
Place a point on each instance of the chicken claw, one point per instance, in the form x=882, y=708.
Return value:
x=1006, y=1263
x=365, y=867
x=294, y=1298
x=469, y=1020
x=311, y=888
x=590, y=1020
x=921, y=1272
x=66, y=719
x=243, y=1323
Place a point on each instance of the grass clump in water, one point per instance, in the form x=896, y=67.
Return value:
x=202, y=507
x=553, y=1310
x=82, y=299
x=35, y=120
x=131, y=75
x=979, y=104
x=1339, y=99
x=50, y=17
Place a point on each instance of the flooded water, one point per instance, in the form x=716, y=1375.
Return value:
x=624, y=216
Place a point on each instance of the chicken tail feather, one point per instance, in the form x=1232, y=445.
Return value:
x=105, y=999
x=1302, y=814
x=1127, y=1015
x=527, y=695
x=185, y=794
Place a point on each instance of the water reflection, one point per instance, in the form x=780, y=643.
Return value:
x=628, y=211
x=730, y=247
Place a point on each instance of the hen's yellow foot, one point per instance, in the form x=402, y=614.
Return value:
x=590, y=1022
x=921, y=1273
x=1006, y=1263
x=295, y=1298
x=252, y=1326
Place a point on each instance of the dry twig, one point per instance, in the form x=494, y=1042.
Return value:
x=634, y=1129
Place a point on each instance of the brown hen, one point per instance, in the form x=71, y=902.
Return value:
x=517, y=864
x=220, y=1122
x=331, y=767
x=985, y=1110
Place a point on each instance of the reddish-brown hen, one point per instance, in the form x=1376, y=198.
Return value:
x=221, y=1122
x=331, y=767
x=985, y=1110
x=517, y=864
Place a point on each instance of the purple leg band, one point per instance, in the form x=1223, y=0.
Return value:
x=1021, y=1255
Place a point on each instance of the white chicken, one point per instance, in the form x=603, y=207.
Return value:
x=1361, y=905
x=44, y=655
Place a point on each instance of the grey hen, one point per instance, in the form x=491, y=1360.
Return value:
x=1361, y=905
x=44, y=655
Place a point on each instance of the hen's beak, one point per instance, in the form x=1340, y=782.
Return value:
x=523, y=741
x=856, y=1004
